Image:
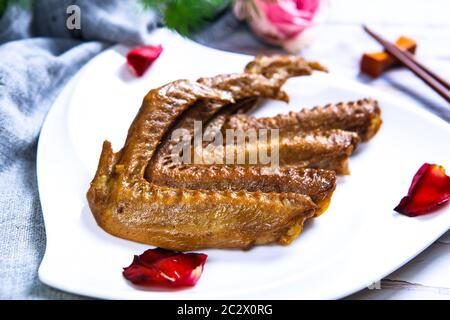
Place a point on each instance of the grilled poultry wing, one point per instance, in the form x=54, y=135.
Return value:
x=140, y=195
x=126, y=204
x=243, y=87
x=362, y=116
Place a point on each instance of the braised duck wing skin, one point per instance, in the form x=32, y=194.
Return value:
x=282, y=67
x=164, y=171
x=127, y=205
x=278, y=68
x=362, y=116
x=141, y=193
x=245, y=85
x=317, y=184
x=240, y=86
x=324, y=149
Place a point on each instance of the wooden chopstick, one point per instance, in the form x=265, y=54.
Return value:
x=430, y=72
x=434, y=81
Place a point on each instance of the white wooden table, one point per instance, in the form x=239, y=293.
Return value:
x=342, y=42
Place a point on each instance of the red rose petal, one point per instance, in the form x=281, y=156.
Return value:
x=165, y=268
x=149, y=257
x=430, y=189
x=140, y=59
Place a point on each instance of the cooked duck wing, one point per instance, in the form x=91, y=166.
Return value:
x=245, y=85
x=362, y=117
x=278, y=68
x=242, y=87
x=317, y=184
x=282, y=66
x=125, y=204
x=139, y=194
x=324, y=149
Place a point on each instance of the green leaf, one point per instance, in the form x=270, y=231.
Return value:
x=186, y=16
x=5, y=3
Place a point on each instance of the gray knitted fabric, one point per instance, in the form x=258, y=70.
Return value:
x=38, y=55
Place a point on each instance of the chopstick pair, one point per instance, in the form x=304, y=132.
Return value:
x=437, y=83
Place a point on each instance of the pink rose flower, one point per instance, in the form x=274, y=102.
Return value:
x=280, y=22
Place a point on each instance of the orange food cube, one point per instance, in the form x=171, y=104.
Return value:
x=375, y=63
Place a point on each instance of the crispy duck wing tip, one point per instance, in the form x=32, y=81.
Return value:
x=362, y=116
x=240, y=85
x=318, y=184
x=375, y=121
x=314, y=65
x=365, y=112
x=282, y=67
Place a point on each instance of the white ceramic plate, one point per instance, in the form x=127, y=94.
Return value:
x=356, y=242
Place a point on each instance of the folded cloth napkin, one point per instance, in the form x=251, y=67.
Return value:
x=38, y=55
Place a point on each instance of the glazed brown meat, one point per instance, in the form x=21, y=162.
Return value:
x=125, y=204
x=317, y=184
x=278, y=68
x=328, y=148
x=362, y=116
x=242, y=87
x=324, y=149
x=139, y=193
x=282, y=66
